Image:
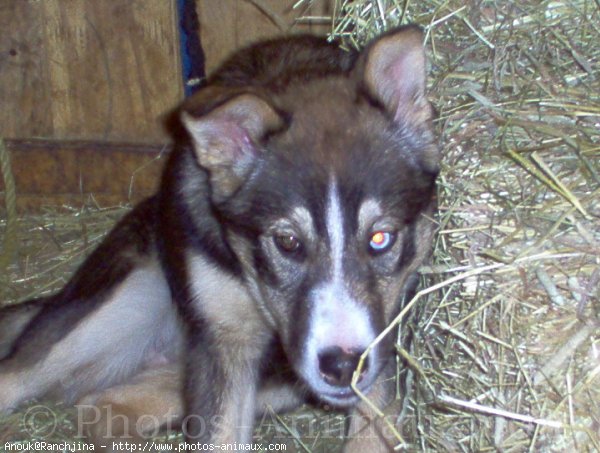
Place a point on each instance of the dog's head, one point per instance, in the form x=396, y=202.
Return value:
x=322, y=188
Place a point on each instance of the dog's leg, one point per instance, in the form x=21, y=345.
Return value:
x=227, y=340
x=133, y=411
x=221, y=386
x=13, y=320
x=134, y=320
x=100, y=328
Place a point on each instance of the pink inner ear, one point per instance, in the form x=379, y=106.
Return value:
x=395, y=71
x=407, y=77
x=231, y=139
x=238, y=137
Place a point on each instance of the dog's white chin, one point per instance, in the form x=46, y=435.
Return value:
x=345, y=397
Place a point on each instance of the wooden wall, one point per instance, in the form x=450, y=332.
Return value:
x=95, y=70
x=73, y=173
x=107, y=70
x=227, y=25
x=90, y=80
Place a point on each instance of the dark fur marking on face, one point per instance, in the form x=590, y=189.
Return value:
x=408, y=247
x=264, y=266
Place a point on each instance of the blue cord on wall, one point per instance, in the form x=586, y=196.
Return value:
x=192, y=55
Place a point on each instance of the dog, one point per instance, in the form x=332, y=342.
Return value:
x=292, y=216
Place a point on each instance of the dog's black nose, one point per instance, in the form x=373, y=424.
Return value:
x=337, y=365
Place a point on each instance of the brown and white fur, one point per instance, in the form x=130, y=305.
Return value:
x=292, y=216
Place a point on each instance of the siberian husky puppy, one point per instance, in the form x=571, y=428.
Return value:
x=291, y=218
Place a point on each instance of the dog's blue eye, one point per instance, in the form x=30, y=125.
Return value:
x=381, y=241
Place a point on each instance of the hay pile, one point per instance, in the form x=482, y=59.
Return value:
x=508, y=352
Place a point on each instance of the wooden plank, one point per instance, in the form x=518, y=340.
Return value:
x=227, y=25
x=58, y=172
x=92, y=70
x=25, y=96
x=218, y=34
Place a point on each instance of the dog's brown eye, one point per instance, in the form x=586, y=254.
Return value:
x=287, y=243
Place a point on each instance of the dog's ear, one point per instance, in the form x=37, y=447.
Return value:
x=226, y=140
x=393, y=71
